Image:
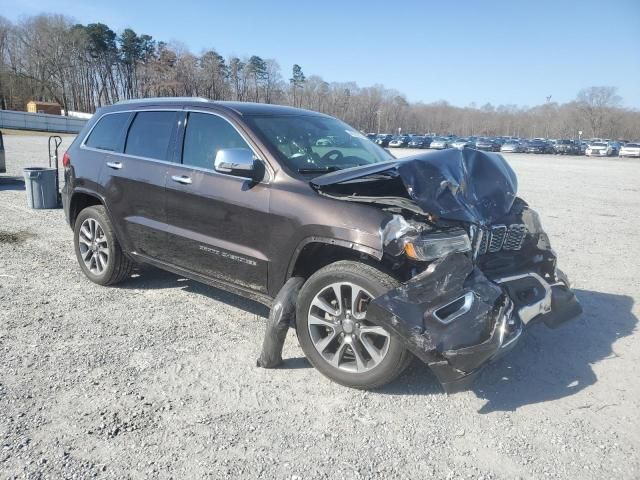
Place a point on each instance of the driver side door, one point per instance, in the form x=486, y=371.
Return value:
x=218, y=224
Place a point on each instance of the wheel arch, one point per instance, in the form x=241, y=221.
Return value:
x=81, y=200
x=313, y=253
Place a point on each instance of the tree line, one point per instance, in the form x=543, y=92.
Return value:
x=82, y=67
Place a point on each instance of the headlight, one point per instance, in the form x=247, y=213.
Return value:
x=437, y=245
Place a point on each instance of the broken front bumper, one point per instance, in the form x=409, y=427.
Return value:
x=456, y=319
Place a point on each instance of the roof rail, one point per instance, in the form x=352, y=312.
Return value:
x=163, y=100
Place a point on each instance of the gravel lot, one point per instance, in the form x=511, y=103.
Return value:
x=157, y=378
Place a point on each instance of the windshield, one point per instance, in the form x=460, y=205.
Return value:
x=313, y=144
x=599, y=144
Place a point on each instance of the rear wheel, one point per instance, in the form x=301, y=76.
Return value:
x=335, y=333
x=97, y=249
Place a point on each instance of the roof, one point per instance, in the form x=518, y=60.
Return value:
x=38, y=102
x=240, y=108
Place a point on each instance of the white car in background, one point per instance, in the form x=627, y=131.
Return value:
x=440, y=143
x=599, y=149
x=512, y=146
x=631, y=149
x=463, y=143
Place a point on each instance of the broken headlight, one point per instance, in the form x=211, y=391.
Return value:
x=437, y=245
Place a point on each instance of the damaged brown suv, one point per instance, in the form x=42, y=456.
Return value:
x=377, y=259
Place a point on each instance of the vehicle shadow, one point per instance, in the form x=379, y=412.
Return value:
x=550, y=364
x=11, y=183
x=547, y=364
x=147, y=277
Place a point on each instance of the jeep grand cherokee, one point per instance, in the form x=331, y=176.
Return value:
x=432, y=256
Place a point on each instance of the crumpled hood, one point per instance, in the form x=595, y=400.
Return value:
x=465, y=185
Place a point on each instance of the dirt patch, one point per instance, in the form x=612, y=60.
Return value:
x=14, y=237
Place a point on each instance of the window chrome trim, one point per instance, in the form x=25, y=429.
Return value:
x=84, y=146
x=259, y=158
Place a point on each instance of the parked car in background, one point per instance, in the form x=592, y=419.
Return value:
x=400, y=142
x=512, y=147
x=372, y=136
x=631, y=149
x=488, y=144
x=240, y=196
x=566, y=147
x=616, y=146
x=599, y=149
x=440, y=143
x=582, y=147
x=463, y=143
x=538, y=146
x=383, y=139
x=420, y=142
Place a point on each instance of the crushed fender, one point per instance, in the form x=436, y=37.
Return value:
x=447, y=316
x=281, y=317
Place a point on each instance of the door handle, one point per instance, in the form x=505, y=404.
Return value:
x=114, y=165
x=181, y=179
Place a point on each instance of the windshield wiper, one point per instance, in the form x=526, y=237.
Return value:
x=331, y=168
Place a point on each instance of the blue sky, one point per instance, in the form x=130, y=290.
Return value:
x=503, y=52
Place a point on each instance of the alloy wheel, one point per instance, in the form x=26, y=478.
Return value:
x=340, y=332
x=93, y=245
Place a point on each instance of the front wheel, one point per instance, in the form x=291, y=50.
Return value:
x=335, y=333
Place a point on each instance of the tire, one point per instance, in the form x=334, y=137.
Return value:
x=97, y=249
x=380, y=359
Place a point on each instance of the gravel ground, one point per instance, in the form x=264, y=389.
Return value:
x=157, y=378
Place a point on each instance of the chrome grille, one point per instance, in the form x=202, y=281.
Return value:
x=501, y=237
x=484, y=241
x=498, y=233
x=515, y=237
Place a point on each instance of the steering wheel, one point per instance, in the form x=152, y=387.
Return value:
x=331, y=153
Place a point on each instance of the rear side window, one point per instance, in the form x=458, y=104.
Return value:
x=150, y=134
x=205, y=135
x=107, y=133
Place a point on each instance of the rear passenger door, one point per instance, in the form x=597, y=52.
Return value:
x=218, y=223
x=134, y=179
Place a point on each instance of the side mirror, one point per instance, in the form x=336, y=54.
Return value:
x=237, y=161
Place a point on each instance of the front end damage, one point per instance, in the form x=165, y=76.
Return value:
x=455, y=318
x=478, y=267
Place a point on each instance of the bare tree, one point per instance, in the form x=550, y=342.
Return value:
x=48, y=57
x=596, y=104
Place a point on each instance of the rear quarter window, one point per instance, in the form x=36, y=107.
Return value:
x=107, y=134
x=150, y=134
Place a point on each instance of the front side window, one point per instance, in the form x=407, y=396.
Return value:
x=107, y=133
x=205, y=135
x=150, y=134
x=310, y=144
